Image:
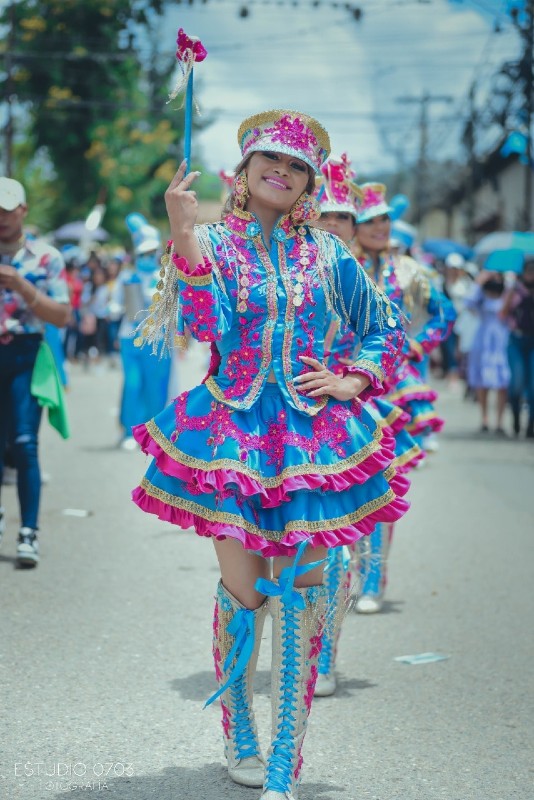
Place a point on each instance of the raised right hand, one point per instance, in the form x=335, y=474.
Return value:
x=181, y=203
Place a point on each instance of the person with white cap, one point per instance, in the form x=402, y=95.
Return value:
x=33, y=292
x=273, y=455
x=145, y=376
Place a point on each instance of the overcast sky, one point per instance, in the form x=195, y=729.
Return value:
x=349, y=75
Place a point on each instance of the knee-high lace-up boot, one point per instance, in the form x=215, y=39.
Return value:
x=236, y=642
x=298, y=619
x=297, y=628
x=373, y=555
x=337, y=582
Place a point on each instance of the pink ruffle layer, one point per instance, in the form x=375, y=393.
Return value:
x=403, y=469
x=208, y=481
x=415, y=393
x=287, y=546
x=397, y=424
x=418, y=427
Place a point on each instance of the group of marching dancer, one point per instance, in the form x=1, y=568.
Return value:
x=292, y=454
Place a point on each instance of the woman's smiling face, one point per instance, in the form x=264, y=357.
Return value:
x=373, y=235
x=341, y=223
x=275, y=181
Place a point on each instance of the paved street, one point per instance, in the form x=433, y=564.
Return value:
x=106, y=647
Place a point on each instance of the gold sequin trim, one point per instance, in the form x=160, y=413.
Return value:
x=420, y=418
x=390, y=473
x=370, y=366
x=212, y=387
x=392, y=417
x=268, y=483
x=194, y=280
x=408, y=456
x=273, y=536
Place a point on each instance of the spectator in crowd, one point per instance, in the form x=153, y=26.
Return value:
x=518, y=311
x=487, y=366
x=33, y=292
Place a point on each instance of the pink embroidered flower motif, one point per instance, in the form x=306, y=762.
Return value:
x=219, y=427
x=315, y=646
x=217, y=660
x=226, y=719
x=329, y=427
x=293, y=132
x=198, y=306
x=392, y=352
x=310, y=686
x=189, y=45
x=371, y=198
x=235, y=223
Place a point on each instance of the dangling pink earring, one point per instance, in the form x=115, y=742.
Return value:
x=240, y=190
x=306, y=209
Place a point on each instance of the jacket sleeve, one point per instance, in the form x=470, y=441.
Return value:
x=375, y=320
x=438, y=327
x=204, y=304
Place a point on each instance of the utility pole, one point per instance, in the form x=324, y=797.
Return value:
x=469, y=141
x=421, y=183
x=9, y=129
x=529, y=47
x=525, y=27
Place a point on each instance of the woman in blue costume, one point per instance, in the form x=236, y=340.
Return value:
x=145, y=376
x=274, y=455
x=338, y=196
x=407, y=284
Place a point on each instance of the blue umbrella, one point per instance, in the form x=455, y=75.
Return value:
x=505, y=261
x=441, y=248
x=506, y=240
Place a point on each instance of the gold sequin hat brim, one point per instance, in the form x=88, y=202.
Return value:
x=284, y=131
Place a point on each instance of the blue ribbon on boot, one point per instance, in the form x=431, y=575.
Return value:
x=285, y=588
x=241, y=627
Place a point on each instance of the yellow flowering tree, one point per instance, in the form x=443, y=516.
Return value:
x=96, y=101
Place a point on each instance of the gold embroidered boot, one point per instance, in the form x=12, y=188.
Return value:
x=236, y=642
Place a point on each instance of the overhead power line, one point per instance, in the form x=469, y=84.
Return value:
x=421, y=188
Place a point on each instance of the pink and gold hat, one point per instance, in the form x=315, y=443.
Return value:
x=289, y=132
x=373, y=202
x=336, y=189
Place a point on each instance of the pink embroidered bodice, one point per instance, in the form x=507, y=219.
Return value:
x=266, y=304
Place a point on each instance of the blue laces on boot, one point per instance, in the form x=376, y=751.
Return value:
x=280, y=766
x=373, y=563
x=243, y=733
x=335, y=571
x=241, y=627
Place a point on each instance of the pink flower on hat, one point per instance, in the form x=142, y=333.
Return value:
x=293, y=132
x=285, y=131
x=371, y=197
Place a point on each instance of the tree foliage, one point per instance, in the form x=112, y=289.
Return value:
x=95, y=86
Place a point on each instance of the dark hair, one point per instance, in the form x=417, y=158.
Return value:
x=230, y=200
